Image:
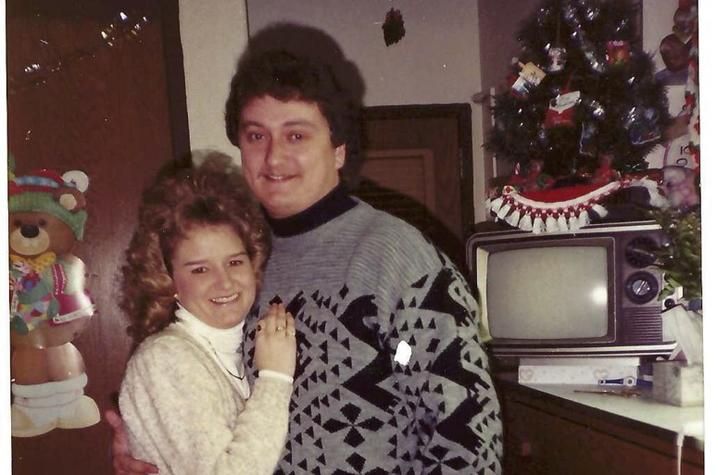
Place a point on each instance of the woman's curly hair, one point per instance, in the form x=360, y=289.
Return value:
x=182, y=197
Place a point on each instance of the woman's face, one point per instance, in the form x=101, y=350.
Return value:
x=213, y=275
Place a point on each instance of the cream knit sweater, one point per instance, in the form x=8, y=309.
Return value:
x=184, y=414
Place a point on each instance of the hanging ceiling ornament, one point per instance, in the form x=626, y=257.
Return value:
x=393, y=27
x=124, y=26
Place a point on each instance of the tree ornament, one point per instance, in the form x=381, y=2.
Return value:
x=617, y=52
x=591, y=13
x=588, y=145
x=595, y=62
x=557, y=59
x=570, y=14
x=642, y=125
x=595, y=108
x=530, y=76
x=561, y=110
x=622, y=28
x=557, y=54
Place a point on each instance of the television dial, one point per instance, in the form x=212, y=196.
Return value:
x=642, y=287
x=640, y=252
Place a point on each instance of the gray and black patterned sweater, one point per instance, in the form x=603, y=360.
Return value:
x=391, y=376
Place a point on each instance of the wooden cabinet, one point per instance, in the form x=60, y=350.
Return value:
x=560, y=432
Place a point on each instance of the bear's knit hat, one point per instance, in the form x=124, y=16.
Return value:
x=37, y=192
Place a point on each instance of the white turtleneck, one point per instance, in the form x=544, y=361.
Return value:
x=224, y=344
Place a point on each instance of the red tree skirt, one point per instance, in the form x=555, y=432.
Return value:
x=560, y=209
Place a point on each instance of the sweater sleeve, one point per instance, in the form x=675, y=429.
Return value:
x=446, y=366
x=180, y=416
x=430, y=326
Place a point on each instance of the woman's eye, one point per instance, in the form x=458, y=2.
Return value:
x=199, y=270
x=296, y=137
x=236, y=262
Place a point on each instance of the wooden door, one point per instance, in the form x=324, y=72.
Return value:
x=111, y=111
x=417, y=165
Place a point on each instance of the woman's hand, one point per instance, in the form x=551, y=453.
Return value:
x=276, y=342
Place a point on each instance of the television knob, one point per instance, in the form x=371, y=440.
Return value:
x=641, y=252
x=642, y=287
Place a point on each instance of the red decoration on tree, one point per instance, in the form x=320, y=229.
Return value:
x=562, y=109
x=617, y=52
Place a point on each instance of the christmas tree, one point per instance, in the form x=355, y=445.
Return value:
x=582, y=98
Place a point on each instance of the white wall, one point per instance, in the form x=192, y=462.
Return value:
x=657, y=23
x=214, y=34
x=437, y=62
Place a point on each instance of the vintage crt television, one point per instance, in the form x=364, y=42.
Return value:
x=586, y=293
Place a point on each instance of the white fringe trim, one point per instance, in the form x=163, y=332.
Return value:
x=562, y=216
x=525, y=223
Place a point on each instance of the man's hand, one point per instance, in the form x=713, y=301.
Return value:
x=122, y=461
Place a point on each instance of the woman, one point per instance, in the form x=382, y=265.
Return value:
x=193, y=269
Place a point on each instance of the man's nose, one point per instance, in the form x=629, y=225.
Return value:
x=274, y=152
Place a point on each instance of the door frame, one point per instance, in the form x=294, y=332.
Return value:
x=461, y=114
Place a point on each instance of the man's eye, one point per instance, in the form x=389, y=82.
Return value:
x=236, y=262
x=296, y=137
x=255, y=136
x=198, y=270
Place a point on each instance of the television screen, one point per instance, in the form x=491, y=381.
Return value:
x=548, y=292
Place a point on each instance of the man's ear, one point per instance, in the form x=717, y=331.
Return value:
x=340, y=155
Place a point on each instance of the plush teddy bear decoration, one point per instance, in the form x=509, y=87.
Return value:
x=49, y=303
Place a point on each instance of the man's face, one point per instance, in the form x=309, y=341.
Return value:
x=288, y=158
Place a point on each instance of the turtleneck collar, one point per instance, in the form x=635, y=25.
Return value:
x=223, y=344
x=224, y=340
x=334, y=203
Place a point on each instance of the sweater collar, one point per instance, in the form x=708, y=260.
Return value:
x=225, y=341
x=334, y=203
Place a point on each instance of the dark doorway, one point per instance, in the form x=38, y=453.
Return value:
x=418, y=166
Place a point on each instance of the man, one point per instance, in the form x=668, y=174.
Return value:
x=390, y=375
